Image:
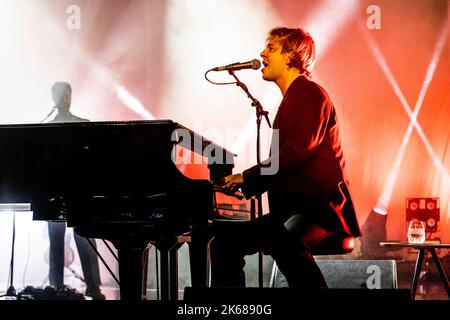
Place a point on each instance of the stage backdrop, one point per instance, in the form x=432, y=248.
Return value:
x=385, y=63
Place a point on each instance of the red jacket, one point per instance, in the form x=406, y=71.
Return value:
x=310, y=176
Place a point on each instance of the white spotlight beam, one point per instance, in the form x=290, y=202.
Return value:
x=120, y=91
x=132, y=102
x=328, y=19
x=386, y=194
x=100, y=71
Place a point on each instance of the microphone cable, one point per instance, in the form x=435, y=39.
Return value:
x=217, y=83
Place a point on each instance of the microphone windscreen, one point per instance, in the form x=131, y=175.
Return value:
x=256, y=64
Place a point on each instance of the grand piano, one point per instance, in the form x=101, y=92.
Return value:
x=117, y=181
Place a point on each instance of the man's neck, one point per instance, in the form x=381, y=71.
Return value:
x=285, y=82
x=63, y=112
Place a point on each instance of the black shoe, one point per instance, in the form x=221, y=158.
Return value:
x=95, y=293
x=65, y=292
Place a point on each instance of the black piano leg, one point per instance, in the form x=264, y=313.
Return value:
x=164, y=249
x=173, y=270
x=131, y=262
x=198, y=256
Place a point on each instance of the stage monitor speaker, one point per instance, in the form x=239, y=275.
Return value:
x=294, y=298
x=350, y=274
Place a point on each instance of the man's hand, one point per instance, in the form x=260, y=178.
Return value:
x=231, y=183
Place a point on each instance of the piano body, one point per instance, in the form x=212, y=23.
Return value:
x=117, y=181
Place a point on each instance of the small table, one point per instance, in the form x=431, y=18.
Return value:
x=422, y=248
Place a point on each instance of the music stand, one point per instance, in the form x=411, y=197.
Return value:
x=13, y=207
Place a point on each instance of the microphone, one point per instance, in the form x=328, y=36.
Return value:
x=49, y=114
x=255, y=64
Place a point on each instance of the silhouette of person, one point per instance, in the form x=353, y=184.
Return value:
x=308, y=196
x=62, y=96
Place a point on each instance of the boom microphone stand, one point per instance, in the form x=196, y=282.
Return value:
x=260, y=112
x=11, y=292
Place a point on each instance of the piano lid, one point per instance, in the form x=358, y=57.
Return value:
x=38, y=160
x=196, y=142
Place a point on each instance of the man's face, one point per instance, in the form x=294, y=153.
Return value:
x=63, y=98
x=67, y=97
x=275, y=62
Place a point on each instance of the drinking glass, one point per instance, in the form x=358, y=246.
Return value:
x=416, y=232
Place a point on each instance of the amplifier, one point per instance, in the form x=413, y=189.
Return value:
x=350, y=274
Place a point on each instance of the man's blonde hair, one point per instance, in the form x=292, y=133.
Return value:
x=299, y=44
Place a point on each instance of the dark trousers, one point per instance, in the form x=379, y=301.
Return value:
x=235, y=240
x=88, y=257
